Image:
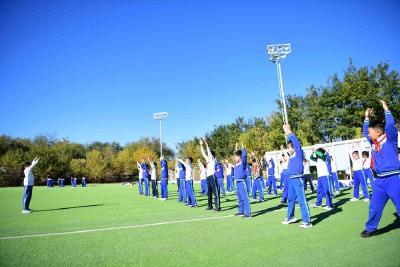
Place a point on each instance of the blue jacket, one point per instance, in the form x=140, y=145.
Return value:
x=248, y=170
x=219, y=171
x=385, y=159
x=240, y=168
x=295, y=166
x=270, y=166
x=182, y=171
x=146, y=173
x=164, y=168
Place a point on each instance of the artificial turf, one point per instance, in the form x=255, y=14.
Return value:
x=262, y=240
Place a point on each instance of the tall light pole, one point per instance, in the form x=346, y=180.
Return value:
x=276, y=53
x=160, y=116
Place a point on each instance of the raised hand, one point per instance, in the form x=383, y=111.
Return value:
x=286, y=128
x=384, y=105
x=368, y=112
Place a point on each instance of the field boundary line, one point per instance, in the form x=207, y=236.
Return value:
x=114, y=228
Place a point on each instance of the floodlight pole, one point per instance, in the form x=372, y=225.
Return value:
x=277, y=53
x=160, y=116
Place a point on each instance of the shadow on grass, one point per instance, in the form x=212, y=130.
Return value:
x=324, y=215
x=72, y=207
x=393, y=226
x=261, y=212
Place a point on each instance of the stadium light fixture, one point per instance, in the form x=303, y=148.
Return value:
x=160, y=116
x=276, y=53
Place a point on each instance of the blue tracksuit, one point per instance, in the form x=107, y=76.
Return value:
x=271, y=182
x=257, y=186
x=204, y=187
x=248, y=178
x=335, y=181
x=295, y=180
x=387, y=166
x=369, y=175
x=164, y=178
x=219, y=174
x=84, y=182
x=229, y=181
x=241, y=193
x=182, y=187
x=285, y=182
x=324, y=186
x=146, y=175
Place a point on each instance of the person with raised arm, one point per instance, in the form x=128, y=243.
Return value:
x=358, y=175
x=384, y=142
x=212, y=186
x=256, y=173
x=240, y=178
x=271, y=180
x=191, y=199
x=164, y=179
x=295, y=180
x=140, y=182
x=203, y=177
x=153, y=177
x=29, y=180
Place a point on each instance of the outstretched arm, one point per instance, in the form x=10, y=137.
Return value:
x=390, y=128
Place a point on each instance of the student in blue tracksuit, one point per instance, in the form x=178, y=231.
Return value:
x=271, y=181
x=203, y=178
x=295, y=180
x=358, y=175
x=219, y=174
x=182, y=183
x=248, y=178
x=240, y=177
x=191, y=199
x=140, y=182
x=229, y=169
x=335, y=177
x=146, y=176
x=284, y=175
x=324, y=186
x=384, y=142
x=164, y=179
x=369, y=175
x=84, y=182
x=257, y=173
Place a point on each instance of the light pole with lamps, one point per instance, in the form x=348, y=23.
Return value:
x=160, y=116
x=276, y=53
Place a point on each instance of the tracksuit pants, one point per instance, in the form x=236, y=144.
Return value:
x=229, y=183
x=203, y=185
x=243, y=198
x=212, y=190
x=248, y=184
x=154, y=188
x=257, y=186
x=182, y=191
x=284, y=180
x=27, y=196
x=164, y=188
x=308, y=179
x=146, y=186
x=335, y=181
x=190, y=193
x=369, y=175
x=383, y=189
x=271, y=183
x=262, y=182
x=221, y=186
x=84, y=183
x=324, y=190
x=140, y=186
x=296, y=192
x=359, y=178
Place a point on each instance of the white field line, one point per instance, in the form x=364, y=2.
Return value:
x=119, y=227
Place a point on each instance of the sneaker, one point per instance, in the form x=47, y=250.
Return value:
x=337, y=192
x=305, y=225
x=354, y=199
x=327, y=208
x=366, y=200
x=26, y=211
x=208, y=208
x=316, y=206
x=219, y=209
x=289, y=221
x=246, y=216
x=239, y=214
x=365, y=233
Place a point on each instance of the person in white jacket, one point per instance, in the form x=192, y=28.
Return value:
x=28, y=184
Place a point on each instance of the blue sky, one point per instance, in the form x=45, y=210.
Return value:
x=96, y=71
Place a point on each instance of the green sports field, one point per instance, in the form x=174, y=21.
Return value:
x=169, y=234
